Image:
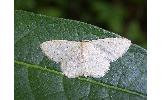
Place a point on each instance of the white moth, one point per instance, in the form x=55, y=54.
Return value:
x=86, y=58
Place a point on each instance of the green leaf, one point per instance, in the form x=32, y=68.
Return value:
x=38, y=78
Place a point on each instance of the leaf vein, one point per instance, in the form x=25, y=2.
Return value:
x=82, y=79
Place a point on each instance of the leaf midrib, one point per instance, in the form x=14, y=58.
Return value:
x=27, y=65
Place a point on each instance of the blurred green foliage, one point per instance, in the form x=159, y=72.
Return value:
x=125, y=17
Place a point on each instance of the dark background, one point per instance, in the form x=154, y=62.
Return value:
x=127, y=18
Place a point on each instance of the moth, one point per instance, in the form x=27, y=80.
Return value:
x=85, y=58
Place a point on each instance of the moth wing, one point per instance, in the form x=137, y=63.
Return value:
x=56, y=49
x=113, y=47
x=65, y=52
x=95, y=62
